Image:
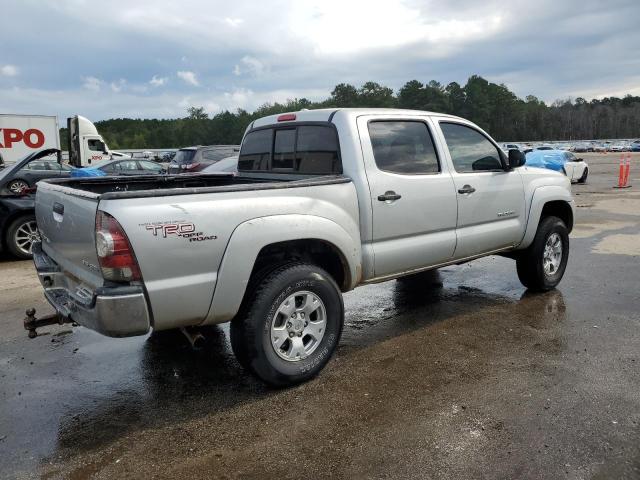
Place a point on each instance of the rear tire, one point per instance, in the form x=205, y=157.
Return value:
x=21, y=234
x=583, y=178
x=289, y=324
x=542, y=265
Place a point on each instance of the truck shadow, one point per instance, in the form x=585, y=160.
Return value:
x=173, y=382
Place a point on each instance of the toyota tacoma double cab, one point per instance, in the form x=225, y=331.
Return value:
x=323, y=201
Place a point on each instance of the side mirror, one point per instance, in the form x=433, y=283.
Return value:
x=516, y=158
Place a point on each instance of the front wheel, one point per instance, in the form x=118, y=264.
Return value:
x=542, y=265
x=21, y=235
x=583, y=178
x=289, y=325
x=17, y=186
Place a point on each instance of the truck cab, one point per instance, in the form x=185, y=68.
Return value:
x=86, y=145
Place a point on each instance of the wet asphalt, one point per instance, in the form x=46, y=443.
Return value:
x=460, y=373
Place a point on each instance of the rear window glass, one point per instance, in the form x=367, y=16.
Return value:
x=306, y=149
x=256, y=150
x=284, y=145
x=184, y=156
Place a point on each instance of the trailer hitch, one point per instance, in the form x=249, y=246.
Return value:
x=31, y=323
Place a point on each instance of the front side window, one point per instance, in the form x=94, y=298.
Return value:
x=95, y=145
x=127, y=165
x=404, y=147
x=154, y=167
x=470, y=150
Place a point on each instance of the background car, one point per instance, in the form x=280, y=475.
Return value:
x=18, y=228
x=195, y=159
x=227, y=165
x=566, y=162
x=635, y=146
x=119, y=167
x=25, y=173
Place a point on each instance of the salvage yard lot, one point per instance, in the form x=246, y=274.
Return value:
x=465, y=375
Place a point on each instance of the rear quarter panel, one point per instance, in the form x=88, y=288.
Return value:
x=180, y=241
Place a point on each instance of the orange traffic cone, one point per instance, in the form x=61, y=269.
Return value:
x=627, y=169
x=623, y=173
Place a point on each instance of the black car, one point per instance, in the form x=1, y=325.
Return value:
x=25, y=173
x=195, y=159
x=18, y=228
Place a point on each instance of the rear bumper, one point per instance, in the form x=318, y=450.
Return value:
x=113, y=311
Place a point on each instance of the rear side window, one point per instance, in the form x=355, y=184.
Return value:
x=403, y=147
x=470, y=150
x=305, y=149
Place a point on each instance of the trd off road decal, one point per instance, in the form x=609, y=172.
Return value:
x=179, y=229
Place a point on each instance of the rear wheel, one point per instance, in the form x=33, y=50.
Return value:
x=290, y=324
x=21, y=234
x=542, y=265
x=583, y=178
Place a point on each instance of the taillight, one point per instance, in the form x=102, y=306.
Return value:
x=117, y=260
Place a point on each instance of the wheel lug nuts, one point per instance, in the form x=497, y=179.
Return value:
x=291, y=334
x=288, y=324
x=302, y=315
x=293, y=315
x=306, y=323
x=299, y=334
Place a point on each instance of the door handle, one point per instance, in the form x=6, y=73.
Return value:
x=466, y=189
x=389, y=196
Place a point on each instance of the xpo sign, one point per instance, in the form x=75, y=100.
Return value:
x=21, y=135
x=32, y=138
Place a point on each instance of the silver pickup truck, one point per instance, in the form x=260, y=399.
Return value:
x=324, y=201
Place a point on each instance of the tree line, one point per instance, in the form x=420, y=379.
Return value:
x=492, y=106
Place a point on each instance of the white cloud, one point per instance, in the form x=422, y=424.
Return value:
x=92, y=83
x=233, y=22
x=117, y=87
x=158, y=81
x=8, y=70
x=249, y=65
x=189, y=77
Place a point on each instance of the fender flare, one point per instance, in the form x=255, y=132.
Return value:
x=542, y=196
x=250, y=237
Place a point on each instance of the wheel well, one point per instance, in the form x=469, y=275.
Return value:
x=560, y=209
x=318, y=252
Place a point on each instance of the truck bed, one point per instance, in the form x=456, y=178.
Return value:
x=159, y=186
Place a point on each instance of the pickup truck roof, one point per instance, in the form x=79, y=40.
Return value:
x=327, y=114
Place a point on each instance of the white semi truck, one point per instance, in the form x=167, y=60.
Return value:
x=21, y=135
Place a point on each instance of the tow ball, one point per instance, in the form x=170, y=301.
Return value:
x=31, y=323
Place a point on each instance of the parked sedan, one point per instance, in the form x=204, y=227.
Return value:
x=226, y=165
x=119, y=167
x=25, y=173
x=566, y=162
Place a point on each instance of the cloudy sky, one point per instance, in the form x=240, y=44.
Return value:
x=154, y=58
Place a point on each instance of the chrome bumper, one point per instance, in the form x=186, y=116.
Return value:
x=112, y=311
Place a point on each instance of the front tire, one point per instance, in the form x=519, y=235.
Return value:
x=21, y=234
x=17, y=186
x=289, y=325
x=542, y=265
x=583, y=178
